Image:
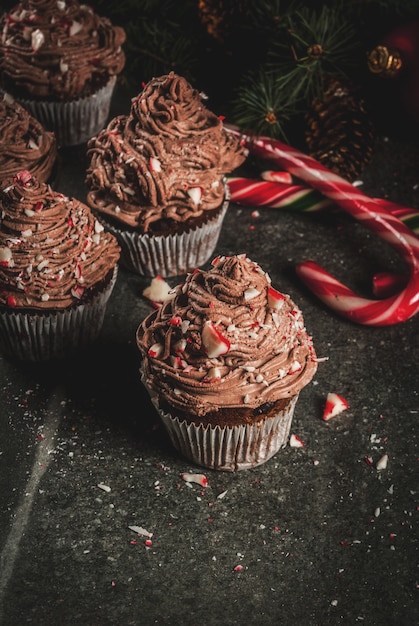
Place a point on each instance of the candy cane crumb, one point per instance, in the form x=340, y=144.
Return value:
x=200, y=479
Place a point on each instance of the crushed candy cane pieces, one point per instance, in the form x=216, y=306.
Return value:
x=296, y=442
x=335, y=404
x=200, y=479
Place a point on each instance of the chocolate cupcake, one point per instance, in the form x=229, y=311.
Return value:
x=57, y=270
x=24, y=143
x=156, y=178
x=60, y=60
x=224, y=361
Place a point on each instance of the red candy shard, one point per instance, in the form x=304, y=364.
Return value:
x=213, y=340
x=23, y=177
x=275, y=298
x=335, y=404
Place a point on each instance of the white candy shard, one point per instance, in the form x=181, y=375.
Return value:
x=140, y=531
x=158, y=290
x=104, y=487
x=382, y=462
x=195, y=193
x=37, y=39
x=251, y=293
x=5, y=255
x=75, y=28
x=155, y=165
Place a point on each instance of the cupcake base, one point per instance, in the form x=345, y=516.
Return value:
x=76, y=121
x=168, y=255
x=228, y=448
x=42, y=336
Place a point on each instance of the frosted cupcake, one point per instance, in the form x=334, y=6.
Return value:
x=224, y=361
x=57, y=270
x=156, y=178
x=24, y=143
x=60, y=60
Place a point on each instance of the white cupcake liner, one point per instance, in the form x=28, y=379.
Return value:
x=53, y=335
x=171, y=255
x=76, y=121
x=228, y=448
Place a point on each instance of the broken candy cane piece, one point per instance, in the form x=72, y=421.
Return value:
x=200, y=479
x=214, y=342
x=275, y=298
x=195, y=193
x=335, y=404
x=155, y=350
x=155, y=165
x=158, y=291
x=295, y=442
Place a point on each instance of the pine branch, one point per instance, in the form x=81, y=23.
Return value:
x=317, y=44
x=262, y=105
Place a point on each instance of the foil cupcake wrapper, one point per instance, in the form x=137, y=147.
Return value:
x=76, y=121
x=228, y=448
x=173, y=255
x=53, y=335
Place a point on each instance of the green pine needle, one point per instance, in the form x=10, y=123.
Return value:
x=261, y=105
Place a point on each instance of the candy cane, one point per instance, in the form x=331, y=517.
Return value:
x=392, y=310
x=278, y=195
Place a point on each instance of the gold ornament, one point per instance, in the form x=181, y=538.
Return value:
x=384, y=61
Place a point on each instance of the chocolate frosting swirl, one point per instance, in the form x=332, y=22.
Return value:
x=24, y=143
x=262, y=350
x=58, y=50
x=53, y=252
x=166, y=160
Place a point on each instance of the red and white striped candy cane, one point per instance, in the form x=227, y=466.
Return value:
x=278, y=195
x=392, y=310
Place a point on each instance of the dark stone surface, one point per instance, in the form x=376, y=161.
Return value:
x=324, y=538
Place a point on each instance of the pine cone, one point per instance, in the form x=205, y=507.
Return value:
x=339, y=130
